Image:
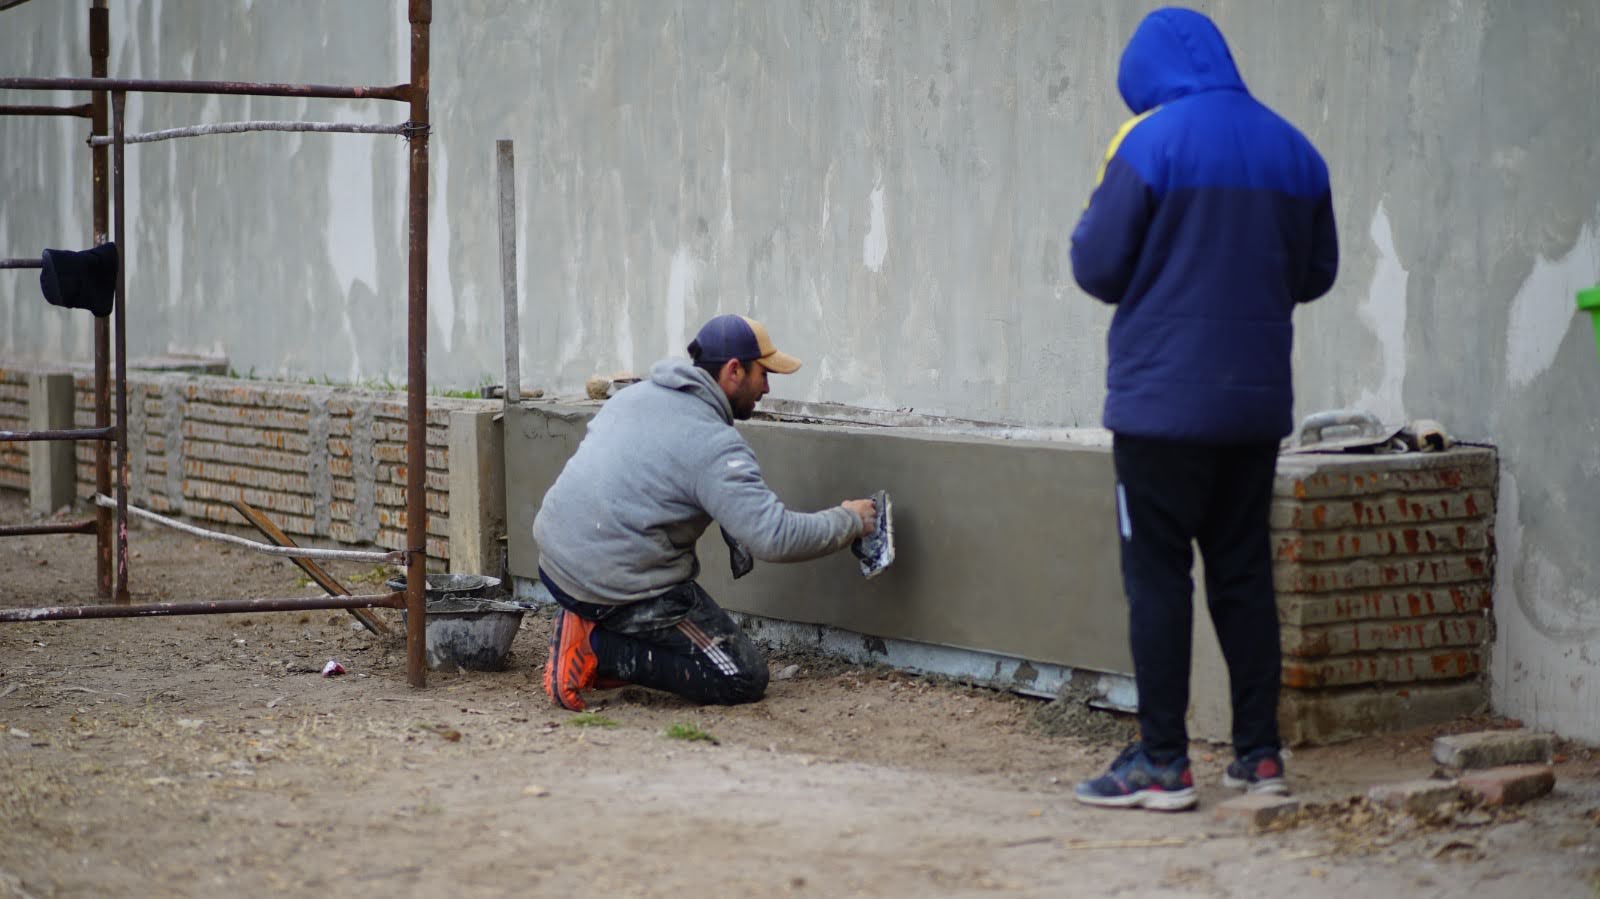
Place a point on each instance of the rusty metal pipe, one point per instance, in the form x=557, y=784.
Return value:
x=82, y=111
x=86, y=526
x=100, y=162
x=21, y=263
x=401, y=92
x=74, y=434
x=119, y=101
x=421, y=16
x=211, y=607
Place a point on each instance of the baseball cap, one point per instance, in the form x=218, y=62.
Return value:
x=729, y=336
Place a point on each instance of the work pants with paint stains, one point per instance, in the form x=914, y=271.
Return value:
x=1171, y=495
x=681, y=642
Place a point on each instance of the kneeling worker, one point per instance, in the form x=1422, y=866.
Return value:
x=617, y=530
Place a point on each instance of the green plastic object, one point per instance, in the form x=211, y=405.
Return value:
x=1589, y=301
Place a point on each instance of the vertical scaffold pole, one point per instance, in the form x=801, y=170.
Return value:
x=421, y=16
x=99, y=52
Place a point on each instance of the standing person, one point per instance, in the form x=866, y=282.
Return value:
x=1211, y=221
x=617, y=530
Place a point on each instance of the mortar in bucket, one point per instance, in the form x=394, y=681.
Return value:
x=465, y=626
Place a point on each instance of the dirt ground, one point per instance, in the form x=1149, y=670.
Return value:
x=202, y=755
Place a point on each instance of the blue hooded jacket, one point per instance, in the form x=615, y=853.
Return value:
x=1212, y=219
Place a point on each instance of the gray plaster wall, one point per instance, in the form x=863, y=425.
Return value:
x=1000, y=545
x=890, y=186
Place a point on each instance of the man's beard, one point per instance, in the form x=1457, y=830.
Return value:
x=744, y=406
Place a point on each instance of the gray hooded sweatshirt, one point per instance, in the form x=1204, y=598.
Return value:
x=660, y=462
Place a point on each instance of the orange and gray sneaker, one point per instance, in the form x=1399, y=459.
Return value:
x=572, y=666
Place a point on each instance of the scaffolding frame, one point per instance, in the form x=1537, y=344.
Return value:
x=112, y=92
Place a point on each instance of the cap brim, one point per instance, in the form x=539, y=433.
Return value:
x=780, y=363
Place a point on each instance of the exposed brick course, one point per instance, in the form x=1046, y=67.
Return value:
x=291, y=450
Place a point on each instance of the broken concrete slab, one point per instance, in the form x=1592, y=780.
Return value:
x=1255, y=810
x=1419, y=797
x=1490, y=749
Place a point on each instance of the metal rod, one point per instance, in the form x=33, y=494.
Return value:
x=7, y=4
x=105, y=434
x=421, y=16
x=86, y=526
x=506, y=155
x=241, y=127
x=301, y=552
x=81, y=111
x=21, y=263
x=210, y=607
x=244, y=88
x=119, y=102
x=99, y=53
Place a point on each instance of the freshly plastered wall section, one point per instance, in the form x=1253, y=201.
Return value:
x=1001, y=546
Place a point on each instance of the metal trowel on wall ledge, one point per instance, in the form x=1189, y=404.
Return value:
x=1345, y=430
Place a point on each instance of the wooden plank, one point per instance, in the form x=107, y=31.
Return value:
x=314, y=571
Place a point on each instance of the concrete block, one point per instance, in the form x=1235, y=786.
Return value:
x=1489, y=749
x=1330, y=716
x=1510, y=785
x=1419, y=797
x=477, y=495
x=52, y=478
x=1254, y=810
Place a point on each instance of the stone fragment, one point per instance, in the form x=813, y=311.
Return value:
x=1255, y=810
x=1419, y=797
x=1491, y=749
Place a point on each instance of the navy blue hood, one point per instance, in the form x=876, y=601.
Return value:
x=1173, y=53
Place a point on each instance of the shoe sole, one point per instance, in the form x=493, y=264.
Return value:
x=550, y=668
x=1155, y=800
x=1272, y=786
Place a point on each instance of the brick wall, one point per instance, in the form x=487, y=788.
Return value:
x=327, y=464
x=1384, y=569
x=13, y=417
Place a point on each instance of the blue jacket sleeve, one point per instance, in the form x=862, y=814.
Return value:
x=1324, y=265
x=1109, y=237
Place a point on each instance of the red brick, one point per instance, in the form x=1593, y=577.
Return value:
x=1442, y=664
x=1305, y=610
x=1462, y=469
x=1363, y=574
x=1510, y=785
x=1372, y=636
x=1293, y=546
x=1337, y=513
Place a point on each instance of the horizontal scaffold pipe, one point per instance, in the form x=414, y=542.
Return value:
x=206, y=607
x=108, y=433
x=298, y=552
x=82, y=111
x=400, y=92
x=241, y=127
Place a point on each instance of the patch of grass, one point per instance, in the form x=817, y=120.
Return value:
x=377, y=575
x=689, y=733
x=589, y=719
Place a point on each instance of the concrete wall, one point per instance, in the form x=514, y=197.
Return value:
x=891, y=186
x=1383, y=564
